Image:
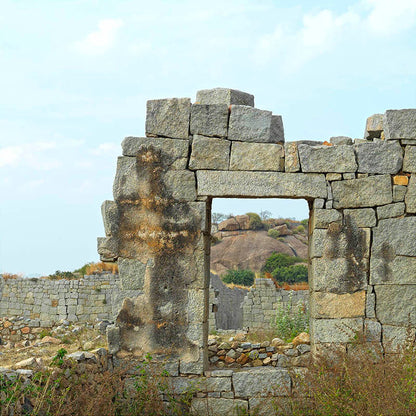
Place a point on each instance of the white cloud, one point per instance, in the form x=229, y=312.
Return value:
x=390, y=17
x=103, y=39
x=29, y=154
x=106, y=149
x=323, y=31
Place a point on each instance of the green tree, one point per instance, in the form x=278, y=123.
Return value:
x=255, y=222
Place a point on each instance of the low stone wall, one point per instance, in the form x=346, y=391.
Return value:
x=263, y=301
x=41, y=303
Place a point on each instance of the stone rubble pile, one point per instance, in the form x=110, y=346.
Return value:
x=237, y=354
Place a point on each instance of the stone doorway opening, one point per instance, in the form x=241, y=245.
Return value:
x=258, y=268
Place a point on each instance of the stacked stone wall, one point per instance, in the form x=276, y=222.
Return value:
x=26, y=304
x=264, y=299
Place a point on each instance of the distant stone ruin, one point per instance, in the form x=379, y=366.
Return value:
x=361, y=195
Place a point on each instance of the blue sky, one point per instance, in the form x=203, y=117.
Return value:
x=76, y=75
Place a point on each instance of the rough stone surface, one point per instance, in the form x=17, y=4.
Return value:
x=107, y=248
x=174, y=152
x=335, y=330
x=209, y=119
x=380, y=157
x=250, y=124
x=340, y=140
x=224, y=96
x=168, y=117
x=410, y=198
x=261, y=383
x=327, y=158
x=331, y=305
x=395, y=338
x=400, y=124
x=409, y=160
x=338, y=275
x=110, y=214
x=113, y=339
x=396, y=304
x=209, y=153
x=374, y=126
x=388, y=269
x=365, y=217
x=257, y=156
x=131, y=273
x=399, y=192
x=363, y=192
x=262, y=184
x=323, y=217
x=292, y=162
x=394, y=236
x=390, y=210
x=218, y=406
x=181, y=185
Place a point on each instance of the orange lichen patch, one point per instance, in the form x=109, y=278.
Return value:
x=54, y=303
x=99, y=267
x=325, y=143
x=161, y=325
x=400, y=180
x=7, y=324
x=25, y=330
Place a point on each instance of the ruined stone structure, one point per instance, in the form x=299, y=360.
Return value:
x=361, y=194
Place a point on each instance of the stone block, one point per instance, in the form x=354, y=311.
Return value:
x=261, y=382
x=110, y=214
x=218, y=406
x=209, y=119
x=321, y=218
x=372, y=330
x=409, y=160
x=292, y=162
x=209, y=153
x=327, y=158
x=180, y=185
x=261, y=184
x=113, y=339
x=257, y=156
x=400, y=180
x=348, y=175
x=338, y=275
x=219, y=384
x=388, y=270
x=399, y=192
x=400, y=124
x=370, y=305
x=363, y=192
x=173, y=152
x=107, y=248
x=390, y=210
x=332, y=305
x=379, y=157
x=132, y=273
x=250, y=124
x=224, y=96
x=191, y=367
x=333, y=177
x=335, y=330
x=410, y=198
x=364, y=217
x=374, y=126
x=341, y=141
x=394, y=237
x=338, y=242
x=396, y=304
x=396, y=338
x=168, y=117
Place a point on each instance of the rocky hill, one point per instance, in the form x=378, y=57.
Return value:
x=240, y=246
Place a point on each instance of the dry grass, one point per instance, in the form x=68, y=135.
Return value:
x=362, y=383
x=96, y=268
x=295, y=286
x=9, y=276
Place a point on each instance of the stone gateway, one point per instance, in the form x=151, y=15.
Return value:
x=362, y=246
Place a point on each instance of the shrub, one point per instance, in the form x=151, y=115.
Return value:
x=273, y=233
x=239, y=277
x=59, y=275
x=280, y=260
x=255, y=222
x=300, y=229
x=292, y=274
